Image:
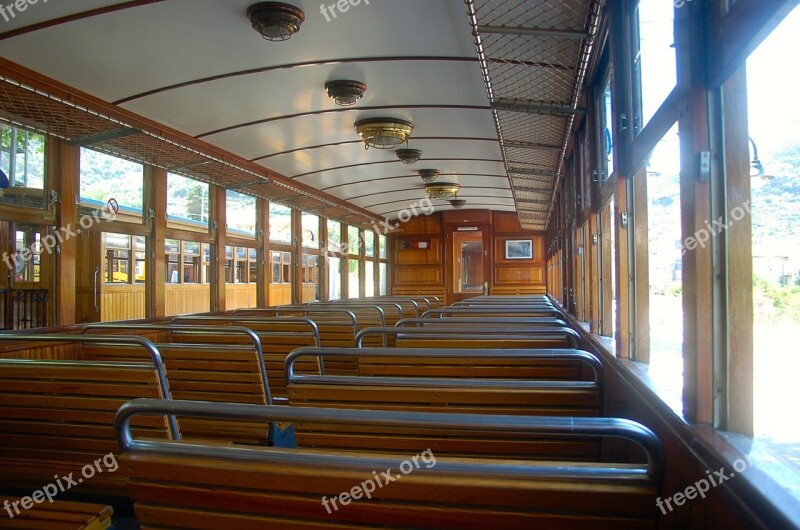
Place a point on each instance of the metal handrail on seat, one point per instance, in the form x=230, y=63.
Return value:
x=155, y=355
x=232, y=330
x=652, y=472
x=474, y=333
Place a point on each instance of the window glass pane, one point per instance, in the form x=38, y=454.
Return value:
x=22, y=159
x=384, y=279
x=27, y=259
x=280, y=223
x=187, y=200
x=117, y=259
x=369, y=278
x=240, y=213
x=172, y=248
x=105, y=177
x=369, y=243
x=334, y=278
x=353, y=241
x=607, y=134
x=774, y=212
x=334, y=236
x=382, y=246
x=310, y=278
x=654, y=64
x=310, y=230
x=140, y=272
x=276, y=267
x=665, y=263
x=353, y=284
x=206, y=263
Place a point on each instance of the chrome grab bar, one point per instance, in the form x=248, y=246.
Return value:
x=534, y=425
x=105, y=339
x=201, y=329
x=96, y=305
x=475, y=333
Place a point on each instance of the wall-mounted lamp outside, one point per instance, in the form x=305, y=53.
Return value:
x=756, y=167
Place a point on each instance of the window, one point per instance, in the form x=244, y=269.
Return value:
x=607, y=132
x=382, y=247
x=310, y=275
x=123, y=254
x=240, y=213
x=334, y=278
x=280, y=223
x=353, y=283
x=369, y=278
x=334, y=236
x=773, y=214
x=241, y=265
x=186, y=261
x=384, y=280
x=654, y=61
x=310, y=230
x=27, y=265
x=105, y=177
x=22, y=159
x=353, y=241
x=664, y=250
x=187, y=201
x=369, y=244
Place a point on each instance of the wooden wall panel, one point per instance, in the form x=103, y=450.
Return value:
x=418, y=276
x=187, y=298
x=240, y=295
x=123, y=302
x=280, y=294
x=518, y=276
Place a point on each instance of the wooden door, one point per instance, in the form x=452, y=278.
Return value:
x=89, y=277
x=469, y=262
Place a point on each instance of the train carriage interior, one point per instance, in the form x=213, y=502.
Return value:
x=407, y=264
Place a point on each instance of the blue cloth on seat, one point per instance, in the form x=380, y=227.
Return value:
x=281, y=437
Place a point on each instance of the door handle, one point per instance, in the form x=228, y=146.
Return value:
x=96, y=305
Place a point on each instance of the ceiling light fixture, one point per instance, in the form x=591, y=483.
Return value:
x=384, y=133
x=275, y=21
x=428, y=175
x=457, y=203
x=409, y=156
x=442, y=190
x=345, y=93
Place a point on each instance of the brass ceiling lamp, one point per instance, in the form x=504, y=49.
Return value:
x=384, y=133
x=442, y=190
x=428, y=175
x=457, y=203
x=345, y=93
x=275, y=21
x=408, y=156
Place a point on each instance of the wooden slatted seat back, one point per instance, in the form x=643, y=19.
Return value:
x=62, y=515
x=476, y=337
x=494, y=311
x=424, y=392
x=58, y=416
x=203, y=363
x=175, y=486
x=554, y=367
x=337, y=328
x=493, y=322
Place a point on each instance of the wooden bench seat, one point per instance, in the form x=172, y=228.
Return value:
x=279, y=337
x=493, y=322
x=60, y=515
x=175, y=486
x=57, y=416
x=220, y=364
x=424, y=393
x=495, y=311
x=476, y=337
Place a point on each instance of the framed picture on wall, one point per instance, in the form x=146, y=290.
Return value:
x=519, y=249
